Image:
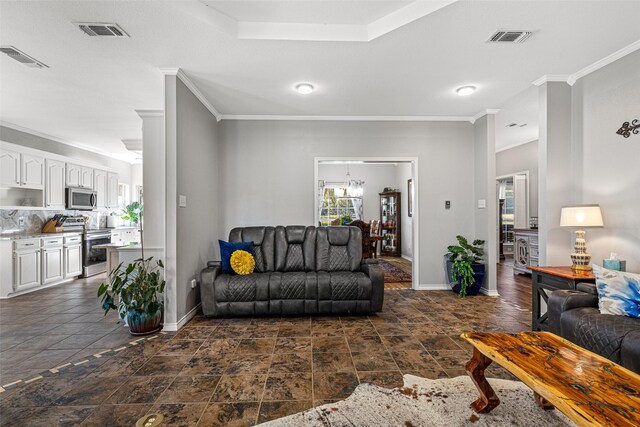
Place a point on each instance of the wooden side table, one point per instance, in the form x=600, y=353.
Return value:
x=545, y=280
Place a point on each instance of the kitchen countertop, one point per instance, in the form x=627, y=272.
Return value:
x=23, y=235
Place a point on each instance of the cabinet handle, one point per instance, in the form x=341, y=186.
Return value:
x=29, y=244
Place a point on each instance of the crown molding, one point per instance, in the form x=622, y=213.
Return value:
x=348, y=118
x=547, y=78
x=606, y=60
x=483, y=113
x=150, y=113
x=193, y=88
x=122, y=157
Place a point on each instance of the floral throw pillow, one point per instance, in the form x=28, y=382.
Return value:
x=618, y=292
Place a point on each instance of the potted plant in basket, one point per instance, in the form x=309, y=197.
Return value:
x=137, y=288
x=466, y=272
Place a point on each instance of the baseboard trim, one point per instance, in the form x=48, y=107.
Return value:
x=408, y=258
x=173, y=327
x=490, y=293
x=48, y=285
x=433, y=287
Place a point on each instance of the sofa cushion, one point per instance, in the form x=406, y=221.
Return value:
x=293, y=292
x=338, y=248
x=227, y=249
x=618, y=292
x=252, y=287
x=295, y=248
x=600, y=333
x=263, y=239
x=343, y=286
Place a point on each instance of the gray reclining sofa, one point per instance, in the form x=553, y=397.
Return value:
x=299, y=270
x=574, y=315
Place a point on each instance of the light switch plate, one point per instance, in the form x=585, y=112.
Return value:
x=182, y=201
x=482, y=203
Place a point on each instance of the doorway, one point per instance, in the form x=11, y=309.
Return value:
x=513, y=212
x=348, y=188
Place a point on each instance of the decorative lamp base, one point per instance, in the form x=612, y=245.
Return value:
x=580, y=258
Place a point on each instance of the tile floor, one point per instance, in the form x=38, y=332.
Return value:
x=227, y=372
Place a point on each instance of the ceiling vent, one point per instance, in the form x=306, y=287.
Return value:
x=510, y=36
x=99, y=29
x=22, y=57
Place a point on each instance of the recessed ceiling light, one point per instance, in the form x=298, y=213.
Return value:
x=465, y=90
x=305, y=88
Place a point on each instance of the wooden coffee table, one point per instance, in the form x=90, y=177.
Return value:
x=587, y=388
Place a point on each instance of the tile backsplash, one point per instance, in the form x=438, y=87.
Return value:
x=33, y=221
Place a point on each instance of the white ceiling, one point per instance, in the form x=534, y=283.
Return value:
x=522, y=110
x=94, y=84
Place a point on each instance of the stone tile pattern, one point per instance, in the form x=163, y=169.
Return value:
x=234, y=371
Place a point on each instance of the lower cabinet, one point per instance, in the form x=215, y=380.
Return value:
x=26, y=268
x=72, y=261
x=52, y=265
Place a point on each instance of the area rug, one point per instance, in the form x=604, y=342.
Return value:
x=393, y=274
x=433, y=403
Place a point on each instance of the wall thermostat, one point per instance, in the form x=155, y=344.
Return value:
x=447, y=204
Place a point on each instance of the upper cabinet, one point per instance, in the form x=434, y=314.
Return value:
x=79, y=176
x=9, y=168
x=100, y=187
x=32, y=171
x=112, y=190
x=21, y=170
x=55, y=178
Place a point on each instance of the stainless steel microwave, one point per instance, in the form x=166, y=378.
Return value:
x=81, y=199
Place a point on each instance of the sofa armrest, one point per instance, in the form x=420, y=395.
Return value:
x=207, y=294
x=589, y=288
x=368, y=261
x=564, y=300
x=375, y=273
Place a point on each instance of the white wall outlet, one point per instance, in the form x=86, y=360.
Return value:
x=193, y=283
x=482, y=203
x=182, y=201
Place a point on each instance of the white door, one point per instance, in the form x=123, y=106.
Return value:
x=9, y=168
x=54, y=190
x=32, y=171
x=72, y=261
x=112, y=190
x=100, y=187
x=86, y=177
x=26, y=267
x=52, y=266
x=74, y=175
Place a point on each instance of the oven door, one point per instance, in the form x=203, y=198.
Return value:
x=95, y=259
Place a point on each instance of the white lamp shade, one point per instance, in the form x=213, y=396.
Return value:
x=581, y=216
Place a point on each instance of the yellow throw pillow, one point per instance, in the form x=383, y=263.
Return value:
x=242, y=262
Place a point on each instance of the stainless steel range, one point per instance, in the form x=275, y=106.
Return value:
x=94, y=259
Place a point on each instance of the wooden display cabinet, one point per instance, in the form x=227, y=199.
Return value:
x=390, y=224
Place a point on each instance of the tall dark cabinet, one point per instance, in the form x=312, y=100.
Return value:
x=390, y=224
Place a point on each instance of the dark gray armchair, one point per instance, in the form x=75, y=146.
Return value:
x=574, y=315
x=299, y=270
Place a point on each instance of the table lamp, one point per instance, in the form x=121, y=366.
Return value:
x=580, y=217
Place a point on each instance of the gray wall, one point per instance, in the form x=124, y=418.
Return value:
x=197, y=179
x=610, y=169
x=267, y=173
x=519, y=159
x=38, y=143
x=403, y=174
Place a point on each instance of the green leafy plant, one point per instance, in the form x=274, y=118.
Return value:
x=463, y=256
x=346, y=219
x=136, y=287
x=133, y=212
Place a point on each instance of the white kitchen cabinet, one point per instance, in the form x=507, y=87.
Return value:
x=26, y=264
x=9, y=168
x=54, y=184
x=86, y=177
x=100, y=185
x=112, y=190
x=52, y=264
x=72, y=261
x=74, y=175
x=32, y=171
